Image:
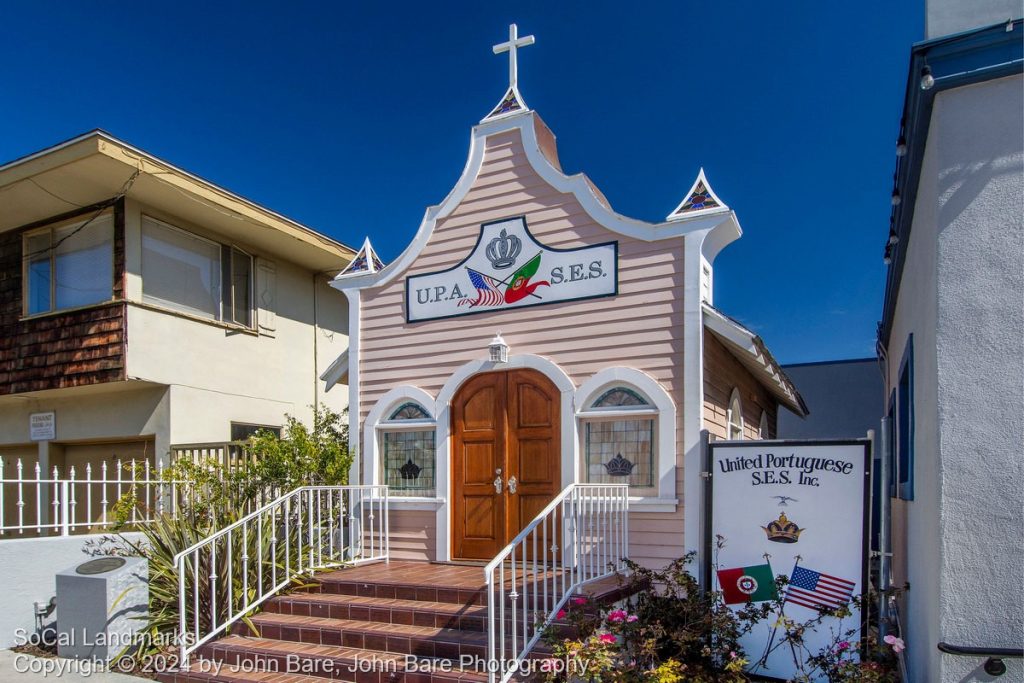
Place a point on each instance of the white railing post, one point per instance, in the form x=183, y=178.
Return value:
x=65, y=508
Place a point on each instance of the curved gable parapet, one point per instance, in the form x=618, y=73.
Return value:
x=538, y=144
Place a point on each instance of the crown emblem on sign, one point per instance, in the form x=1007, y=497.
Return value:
x=782, y=530
x=619, y=466
x=410, y=470
x=503, y=250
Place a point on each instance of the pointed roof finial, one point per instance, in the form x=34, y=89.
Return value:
x=512, y=101
x=366, y=261
x=700, y=200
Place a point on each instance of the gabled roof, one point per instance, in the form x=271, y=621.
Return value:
x=94, y=167
x=750, y=350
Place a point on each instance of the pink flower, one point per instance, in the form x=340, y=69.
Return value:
x=607, y=638
x=732, y=655
x=561, y=614
x=842, y=645
x=897, y=643
x=616, y=616
x=631, y=618
x=579, y=601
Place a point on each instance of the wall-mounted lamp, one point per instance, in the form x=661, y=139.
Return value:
x=498, y=349
x=927, y=80
x=896, y=198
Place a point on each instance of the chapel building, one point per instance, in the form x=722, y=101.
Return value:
x=530, y=338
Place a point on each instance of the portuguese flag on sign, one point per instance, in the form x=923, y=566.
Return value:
x=519, y=284
x=747, y=584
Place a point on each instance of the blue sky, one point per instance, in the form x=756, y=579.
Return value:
x=353, y=117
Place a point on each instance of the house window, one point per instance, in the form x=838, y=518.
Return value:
x=905, y=425
x=762, y=428
x=408, y=451
x=619, y=429
x=194, y=275
x=241, y=431
x=69, y=264
x=734, y=429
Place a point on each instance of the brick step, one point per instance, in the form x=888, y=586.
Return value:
x=331, y=662
x=422, y=641
x=425, y=590
x=404, y=612
x=390, y=611
x=233, y=674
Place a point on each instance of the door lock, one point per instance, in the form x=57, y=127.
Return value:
x=512, y=484
x=497, y=481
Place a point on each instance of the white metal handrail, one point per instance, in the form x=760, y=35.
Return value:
x=533, y=578
x=226, y=575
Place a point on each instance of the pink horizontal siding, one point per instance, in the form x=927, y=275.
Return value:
x=641, y=328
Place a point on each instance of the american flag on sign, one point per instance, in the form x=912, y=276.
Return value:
x=809, y=588
x=487, y=293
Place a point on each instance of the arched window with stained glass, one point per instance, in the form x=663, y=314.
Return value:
x=618, y=430
x=408, y=451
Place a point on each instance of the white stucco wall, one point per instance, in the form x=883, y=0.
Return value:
x=962, y=296
x=28, y=567
x=944, y=17
x=218, y=375
x=980, y=340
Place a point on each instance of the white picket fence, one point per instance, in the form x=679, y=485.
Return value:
x=81, y=500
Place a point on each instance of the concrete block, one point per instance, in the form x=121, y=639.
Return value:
x=101, y=605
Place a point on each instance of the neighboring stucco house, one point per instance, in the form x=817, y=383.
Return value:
x=952, y=337
x=142, y=307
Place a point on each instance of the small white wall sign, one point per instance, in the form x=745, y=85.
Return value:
x=42, y=426
x=508, y=268
x=797, y=509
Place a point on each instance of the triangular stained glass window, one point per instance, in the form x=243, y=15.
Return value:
x=699, y=199
x=508, y=104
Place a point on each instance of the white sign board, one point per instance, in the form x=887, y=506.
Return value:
x=508, y=268
x=796, y=509
x=42, y=426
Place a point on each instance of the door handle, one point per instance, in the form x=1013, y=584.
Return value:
x=497, y=481
x=512, y=484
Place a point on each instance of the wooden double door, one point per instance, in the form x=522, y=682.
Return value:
x=506, y=458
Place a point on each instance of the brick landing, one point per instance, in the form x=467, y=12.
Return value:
x=372, y=615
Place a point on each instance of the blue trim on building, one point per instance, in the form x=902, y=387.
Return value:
x=955, y=61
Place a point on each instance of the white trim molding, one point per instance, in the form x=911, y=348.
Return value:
x=525, y=123
x=653, y=391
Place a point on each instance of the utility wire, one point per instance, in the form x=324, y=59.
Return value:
x=106, y=205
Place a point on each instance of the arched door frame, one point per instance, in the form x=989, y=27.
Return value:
x=569, y=442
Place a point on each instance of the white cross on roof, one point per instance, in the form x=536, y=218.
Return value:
x=514, y=42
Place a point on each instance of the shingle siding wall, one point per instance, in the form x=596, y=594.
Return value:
x=64, y=349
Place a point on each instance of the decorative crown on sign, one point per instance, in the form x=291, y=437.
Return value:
x=782, y=530
x=503, y=250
